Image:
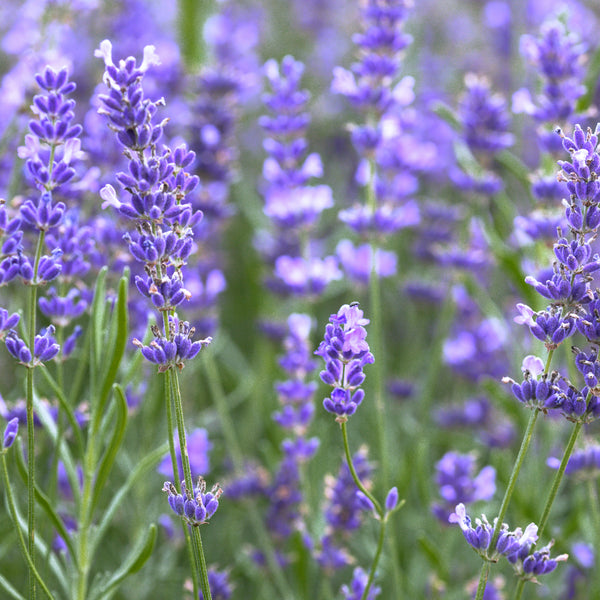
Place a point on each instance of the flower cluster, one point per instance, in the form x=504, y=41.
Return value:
x=356, y=589
x=173, y=349
x=291, y=203
x=457, y=482
x=514, y=545
x=157, y=184
x=584, y=463
x=573, y=301
x=45, y=347
x=557, y=56
x=342, y=512
x=295, y=395
x=485, y=123
x=345, y=351
x=383, y=142
x=196, y=507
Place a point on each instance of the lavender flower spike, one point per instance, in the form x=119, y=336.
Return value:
x=345, y=351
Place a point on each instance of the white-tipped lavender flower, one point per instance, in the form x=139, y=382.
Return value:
x=345, y=352
x=174, y=350
x=195, y=508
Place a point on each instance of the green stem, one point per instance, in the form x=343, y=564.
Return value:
x=380, y=513
x=376, y=335
x=483, y=577
x=176, y=477
x=357, y=481
x=31, y=322
x=519, y=589
x=558, y=478
x=376, y=558
x=507, y=496
x=24, y=547
x=196, y=538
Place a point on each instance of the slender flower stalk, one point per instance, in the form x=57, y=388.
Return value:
x=346, y=351
x=158, y=183
x=572, y=308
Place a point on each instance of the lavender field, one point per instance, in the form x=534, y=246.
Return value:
x=299, y=299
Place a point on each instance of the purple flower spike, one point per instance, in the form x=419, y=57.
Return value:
x=345, y=351
x=10, y=433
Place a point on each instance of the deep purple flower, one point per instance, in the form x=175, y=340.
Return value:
x=580, y=175
x=17, y=347
x=457, y=482
x=62, y=309
x=218, y=582
x=7, y=322
x=53, y=137
x=583, y=463
x=509, y=542
x=538, y=390
x=484, y=117
x=130, y=114
x=358, y=585
x=10, y=432
x=556, y=55
x=175, y=349
x=195, y=508
x=391, y=500
x=539, y=562
x=345, y=352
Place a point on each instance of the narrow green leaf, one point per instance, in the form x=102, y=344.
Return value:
x=447, y=114
x=466, y=161
x=145, y=464
x=49, y=424
x=99, y=312
x=45, y=504
x=117, y=341
x=43, y=550
x=431, y=550
x=112, y=448
x=10, y=589
x=138, y=556
x=512, y=163
x=66, y=408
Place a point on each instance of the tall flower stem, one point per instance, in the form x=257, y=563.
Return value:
x=380, y=513
x=31, y=323
x=485, y=569
x=376, y=331
x=196, y=538
x=14, y=516
x=558, y=478
x=173, y=454
x=527, y=436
